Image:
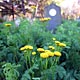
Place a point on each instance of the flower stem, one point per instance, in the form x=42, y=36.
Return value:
x=46, y=63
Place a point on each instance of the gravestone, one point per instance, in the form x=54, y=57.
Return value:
x=54, y=12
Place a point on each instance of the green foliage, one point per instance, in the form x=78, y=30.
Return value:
x=10, y=71
x=70, y=32
x=61, y=72
x=34, y=33
x=13, y=38
x=26, y=75
x=70, y=60
x=33, y=67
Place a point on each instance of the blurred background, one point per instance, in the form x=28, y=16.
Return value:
x=70, y=9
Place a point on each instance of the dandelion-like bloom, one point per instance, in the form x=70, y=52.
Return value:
x=54, y=39
x=48, y=18
x=26, y=47
x=40, y=50
x=44, y=55
x=62, y=44
x=22, y=48
x=45, y=19
x=51, y=47
x=33, y=53
x=8, y=25
x=29, y=47
x=49, y=53
x=57, y=43
x=57, y=53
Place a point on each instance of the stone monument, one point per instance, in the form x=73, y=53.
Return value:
x=54, y=12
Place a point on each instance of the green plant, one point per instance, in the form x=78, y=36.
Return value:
x=13, y=39
x=17, y=37
x=27, y=73
x=70, y=59
x=10, y=71
x=46, y=59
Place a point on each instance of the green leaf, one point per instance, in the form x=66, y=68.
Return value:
x=61, y=71
x=26, y=76
x=77, y=76
x=36, y=78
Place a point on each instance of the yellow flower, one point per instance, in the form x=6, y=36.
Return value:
x=23, y=48
x=41, y=19
x=8, y=25
x=50, y=53
x=57, y=42
x=33, y=53
x=54, y=39
x=62, y=44
x=40, y=50
x=49, y=18
x=51, y=47
x=44, y=55
x=44, y=19
x=57, y=53
x=47, y=50
x=30, y=47
x=26, y=47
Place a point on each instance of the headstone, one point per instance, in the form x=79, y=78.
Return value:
x=54, y=12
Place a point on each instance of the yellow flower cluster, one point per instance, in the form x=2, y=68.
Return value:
x=44, y=19
x=33, y=53
x=48, y=53
x=26, y=47
x=60, y=44
x=8, y=25
x=40, y=50
x=51, y=47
